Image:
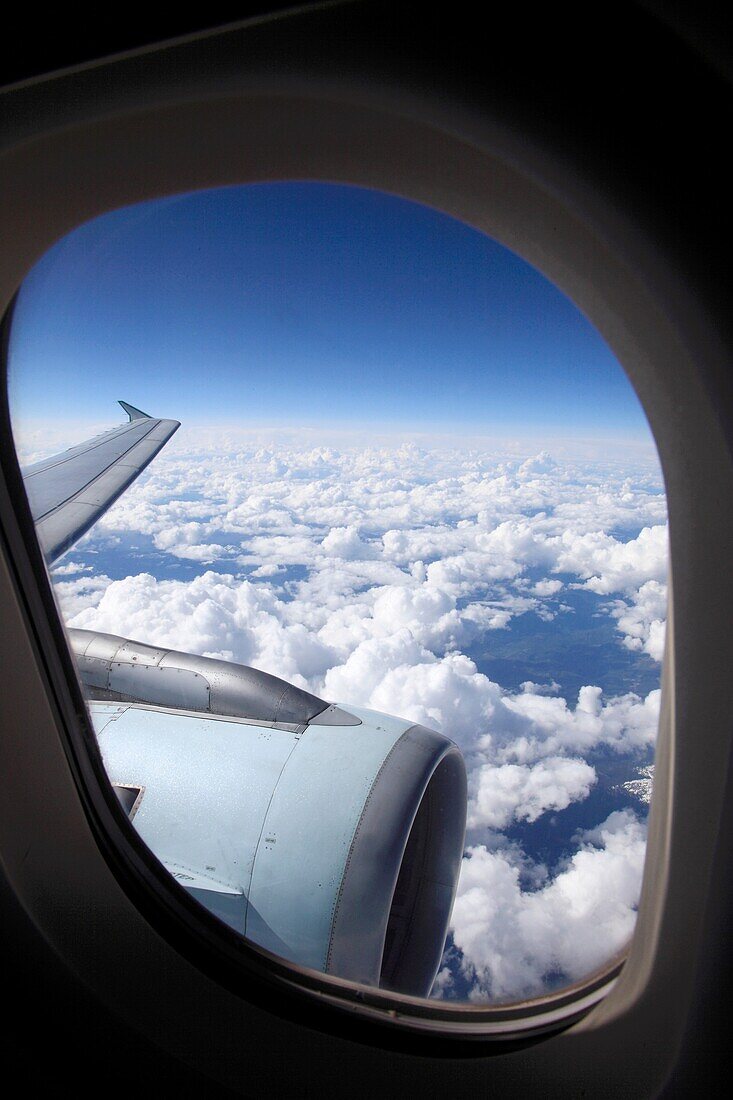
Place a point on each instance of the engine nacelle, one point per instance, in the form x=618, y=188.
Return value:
x=335, y=844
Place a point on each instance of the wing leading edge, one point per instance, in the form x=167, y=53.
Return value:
x=70, y=491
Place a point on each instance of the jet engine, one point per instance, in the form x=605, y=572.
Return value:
x=330, y=836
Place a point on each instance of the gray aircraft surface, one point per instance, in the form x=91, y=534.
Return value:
x=330, y=836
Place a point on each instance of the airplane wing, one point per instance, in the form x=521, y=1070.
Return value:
x=71, y=490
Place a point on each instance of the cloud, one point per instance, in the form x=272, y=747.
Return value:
x=520, y=792
x=547, y=588
x=216, y=615
x=344, y=542
x=399, y=675
x=368, y=574
x=542, y=463
x=468, y=519
x=608, y=565
x=642, y=619
x=625, y=723
x=515, y=940
x=70, y=569
x=460, y=510
x=75, y=596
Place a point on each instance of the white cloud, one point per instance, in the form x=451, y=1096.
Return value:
x=366, y=574
x=520, y=792
x=75, y=596
x=531, y=688
x=344, y=542
x=215, y=614
x=70, y=569
x=547, y=588
x=514, y=939
x=642, y=619
x=398, y=675
x=469, y=517
x=608, y=565
x=625, y=723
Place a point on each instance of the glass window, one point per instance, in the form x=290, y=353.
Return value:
x=378, y=628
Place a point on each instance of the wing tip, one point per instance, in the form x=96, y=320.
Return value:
x=133, y=413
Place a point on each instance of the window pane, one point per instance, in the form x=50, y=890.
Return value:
x=412, y=482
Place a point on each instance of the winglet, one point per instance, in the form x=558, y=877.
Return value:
x=133, y=413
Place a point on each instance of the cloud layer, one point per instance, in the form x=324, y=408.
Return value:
x=366, y=574
x=516, y=940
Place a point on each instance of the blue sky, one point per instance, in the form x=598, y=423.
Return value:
x=309, y=304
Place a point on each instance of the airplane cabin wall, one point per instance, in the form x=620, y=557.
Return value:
x=647, y=131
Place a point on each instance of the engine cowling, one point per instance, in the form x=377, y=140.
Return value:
x=335, y=844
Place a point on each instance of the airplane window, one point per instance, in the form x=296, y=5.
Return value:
x=365, y=584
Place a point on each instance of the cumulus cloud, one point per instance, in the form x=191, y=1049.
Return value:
x=216, y=615
x=414, y=504
x=642, y=619
x=344, y=542
x=515, y=940
x=367, y=574
x=624, y=723
x=77, y=595
x=466, y=524
x=547, y=588
x=398, y=675
x=521, y=792
x=70, y=569
x=609, y=565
